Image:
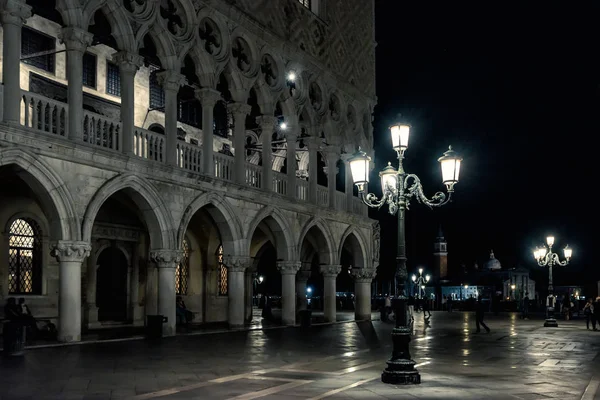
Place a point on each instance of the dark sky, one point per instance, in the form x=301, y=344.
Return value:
x=515, y=88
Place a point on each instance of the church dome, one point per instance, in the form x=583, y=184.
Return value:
x=493, y=263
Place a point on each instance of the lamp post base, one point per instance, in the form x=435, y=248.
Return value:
x=550, y=322
x=400, y=367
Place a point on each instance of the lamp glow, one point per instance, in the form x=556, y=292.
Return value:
x=427, y=277
x=542, y=252
x=414, y=278
x=450, y=163
x=420, y=270
x=359, y=165
x=389, y=177
x=283, y=126
x=536, y=253
x=291, y=76
x=400, y=133
x=568, y=252
x=261, y=279
x=550, y=241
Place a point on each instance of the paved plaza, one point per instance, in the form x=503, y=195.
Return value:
x=517, y=360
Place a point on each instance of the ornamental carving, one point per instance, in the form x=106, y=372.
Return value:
x=335, y=108
x=330, y=270
x=268, y=68
x=237, y=263
x=71, y=251
x=166, y=258
x=211, y=37
x=363, y=275
x=115, y=233
x=316, y=96
x=289, y=267
x=242, y=55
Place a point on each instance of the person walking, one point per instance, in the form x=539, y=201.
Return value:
x=411, y=308
x=479, y=313
x=588, y=311
x=426, y=307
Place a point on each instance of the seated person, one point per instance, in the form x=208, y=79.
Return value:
x=182, y=313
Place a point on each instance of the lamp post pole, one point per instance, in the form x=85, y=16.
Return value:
x=545, y=257
x=398, y=188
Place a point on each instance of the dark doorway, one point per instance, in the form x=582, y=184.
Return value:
x=111, y=285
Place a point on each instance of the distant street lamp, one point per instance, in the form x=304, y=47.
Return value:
x=257, y=281
x=545, y=257
x=420, y=281
x=398, y=188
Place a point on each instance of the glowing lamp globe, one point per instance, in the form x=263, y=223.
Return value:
x=450, y=163
x=359, y=165
x=550, y=241
x=400, y=133
x=389, y=178
x=568, y=252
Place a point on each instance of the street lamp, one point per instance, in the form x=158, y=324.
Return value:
x=257, y=281
x=420, y=281
x=398, y=188
x=545, y=257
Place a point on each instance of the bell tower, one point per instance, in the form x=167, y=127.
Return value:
x=440, y=255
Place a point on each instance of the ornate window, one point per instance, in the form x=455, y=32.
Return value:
x=182, y=272
x=89, y=70
x=24, y=257
x=223, y=279
x=305, y=3
x=33, y=42
x=113, y=79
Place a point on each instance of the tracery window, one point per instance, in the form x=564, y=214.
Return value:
x=24, y=257
x=182, y=272
x=223, y=278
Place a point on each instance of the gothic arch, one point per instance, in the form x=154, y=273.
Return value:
x=223, y=214
x=329, y=242
x=163, y=42
x=116, y=16
x=147, y=199
x=360, y=255
x=49, y=186
x=276, y=223
x=96, y=253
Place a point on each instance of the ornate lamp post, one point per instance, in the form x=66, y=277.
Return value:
x=257, y=281
x=545, y=257
x=398, y=188
x=420, y=282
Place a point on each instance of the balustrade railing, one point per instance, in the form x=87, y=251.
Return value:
x=189, y=156
x=101, y=131
x=43, y=114
x=223, y=166
x=279, y=183
x=148, y=144
x=359, y=207
x=301, y=189
x=322, y=196
x=253, y=175
x=340, y=201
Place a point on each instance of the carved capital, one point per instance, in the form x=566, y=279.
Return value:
x=75, y=39
x=170, y=80
x=288, y=267
x=363, y=275
x=208, y=97
x=266, y=122
x=166, y=258
x=127, y=61
x=14, y=12
x=71, y=251
x=237, y=263
x=239, y=110
x=330, y=270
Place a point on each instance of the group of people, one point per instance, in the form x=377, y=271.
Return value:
x=20, y=313
x=591, y=310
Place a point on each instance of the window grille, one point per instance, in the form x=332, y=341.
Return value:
x=113, y=79
x=24, y=257
x=89, y=70
x=183, y=270
x=305, y=3
x=157, y=94
x=34, y=42
x=223, y=279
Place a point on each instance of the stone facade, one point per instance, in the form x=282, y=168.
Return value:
x=100, y=213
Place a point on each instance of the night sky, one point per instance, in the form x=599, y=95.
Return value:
x=513, y=87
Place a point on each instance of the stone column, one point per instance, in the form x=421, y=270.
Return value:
x=236, y=267
x=288, y=271
x=239, y=112
x=70, y=255
x=292, y=138
x=208, y=98
x=349, y=189
x=90, y=295
x=267, y=125
x=76, y=40
x=249, y=291
x=362, y=290
x=313, y=165
x=135, y=288
x=330, y=273
x=128, y=63
x=171, y=81
x=333, y=155
x=301, y=279
x=166, y=260
x=151, y=300
x=13, y=14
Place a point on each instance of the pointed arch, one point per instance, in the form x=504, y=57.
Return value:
x=143, y=193
x=115, y=13
x=319, y=223
x=223, y=214
x=48, y=185
x=277, y=224
x=359, y=254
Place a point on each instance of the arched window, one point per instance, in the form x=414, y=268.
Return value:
x=182, y=272
x=223, y=281
x=24, y=257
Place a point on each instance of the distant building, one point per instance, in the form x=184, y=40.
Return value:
x=440, y=256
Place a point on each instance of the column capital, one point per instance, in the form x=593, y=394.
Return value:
x=312, y=142
x=331, y=270
x=166, y=258
x=266, y=121
x=71, y=251
x=238, y=109
x=207, y=96
x=288, y=267
x=237, y=263
x=170, y=80
x=363, y=275
x=128, y=61
x=75, y=38
x=14, y=12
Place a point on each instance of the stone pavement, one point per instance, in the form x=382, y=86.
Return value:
x=517, y=360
